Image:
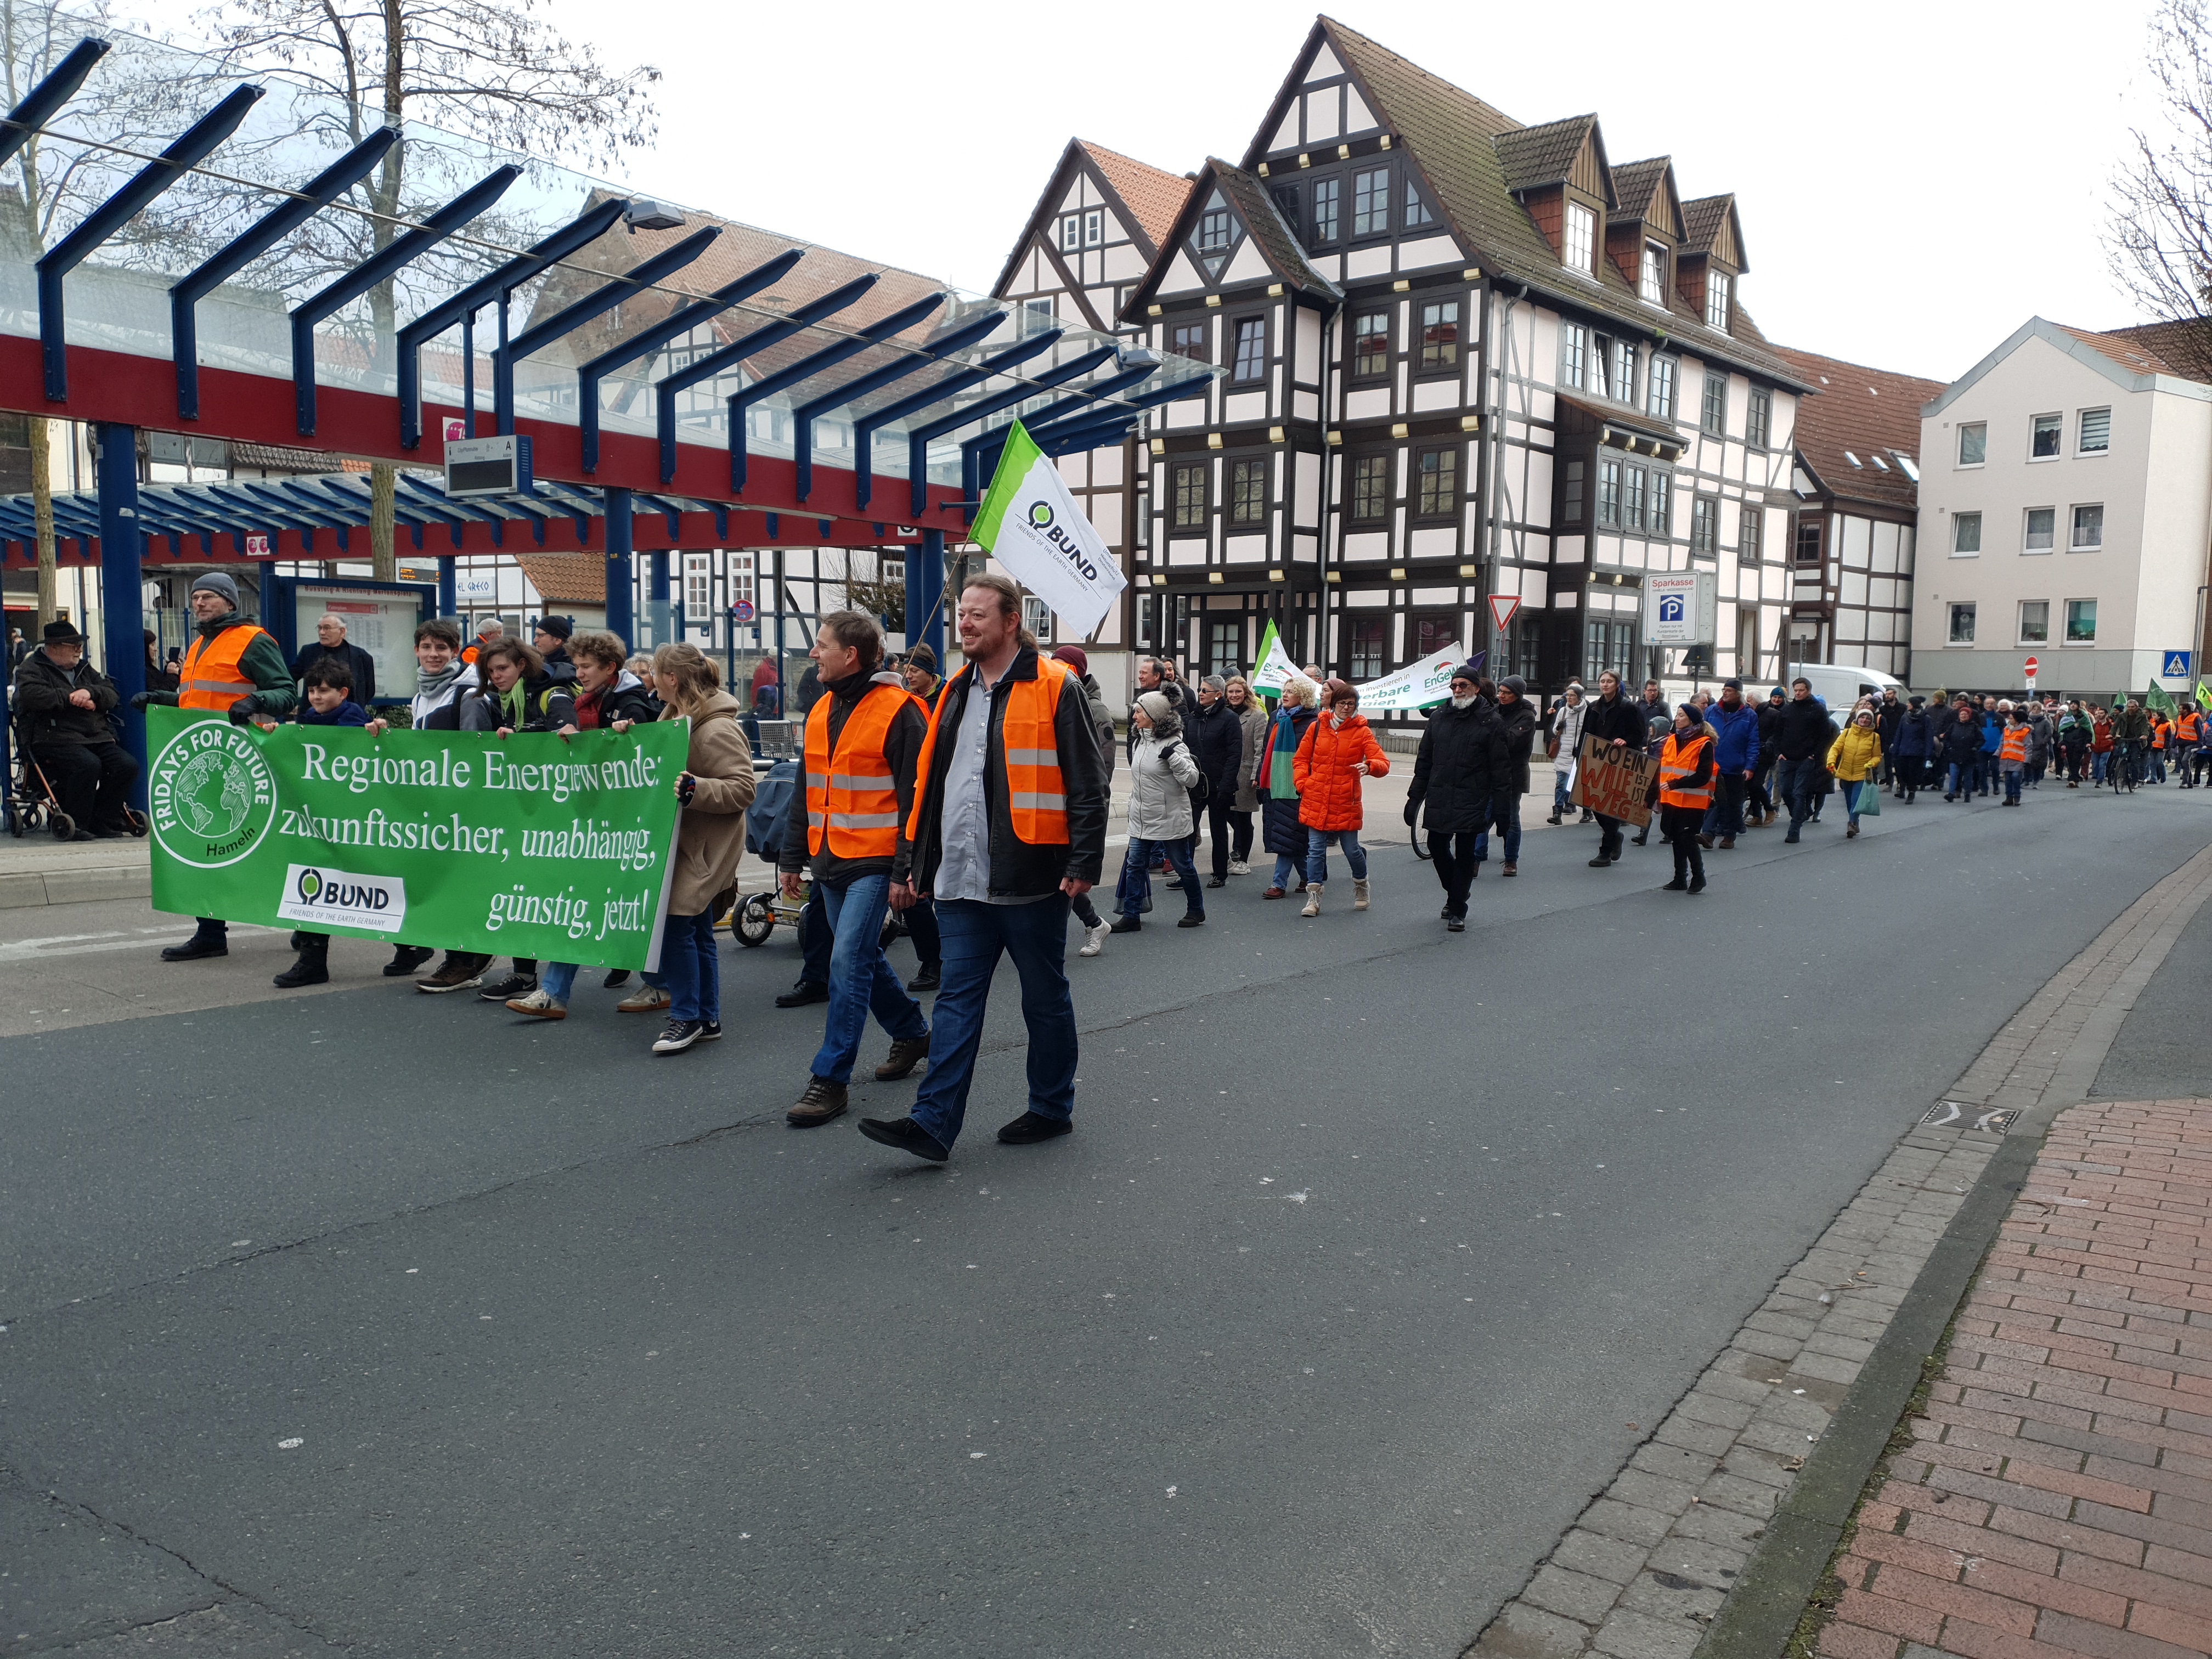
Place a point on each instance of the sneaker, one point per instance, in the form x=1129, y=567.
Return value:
x=512, y=987
x=538, y=1005
x=1216, y=881
x=1454, y=923
x=1238, y=867
x=616, y=978
x=927, y=978
x=710, y=1030
x=680, y=1035
x=405, y=959
x=646, y=1000
x=1094, y=938
x=462, y=970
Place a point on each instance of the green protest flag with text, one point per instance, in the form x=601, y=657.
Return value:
x=528, y=845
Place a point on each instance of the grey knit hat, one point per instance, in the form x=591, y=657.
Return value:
x=216, y=582
x=1157, y=708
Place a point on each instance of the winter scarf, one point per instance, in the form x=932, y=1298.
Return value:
x=428, y=684
x=1282, y=753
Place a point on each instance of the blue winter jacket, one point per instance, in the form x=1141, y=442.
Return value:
x=1992, y=734
x=1912, y=736
x=1736, y=729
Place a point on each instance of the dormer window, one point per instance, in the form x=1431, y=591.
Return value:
x=1716, y=301
x=1215, y=227
x=1580, y=238
x=1653, y=286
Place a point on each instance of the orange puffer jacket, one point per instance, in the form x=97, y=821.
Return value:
x=1328, y=789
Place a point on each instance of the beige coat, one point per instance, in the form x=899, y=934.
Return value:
x=710, y=833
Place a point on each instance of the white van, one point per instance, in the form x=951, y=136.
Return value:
x=1837, y=687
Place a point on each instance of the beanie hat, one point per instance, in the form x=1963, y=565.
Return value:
x=1336, y=690
x=1514, y=683
x=1469, y=670
x=1072, y=655
x=1736, y=684
x=1157, y=708
x=216, y=582
x=559, y=627
x=1697, y=715
x=1777, y=692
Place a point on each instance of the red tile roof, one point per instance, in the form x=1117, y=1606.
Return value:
x=2183, y=349
x=1866, y=411
x=1153, y=195
x=566, y=578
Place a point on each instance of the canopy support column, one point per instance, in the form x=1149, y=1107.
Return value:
x=121, y=593
x=449, y=590
x=656, y=585
x=925, y=596
x=620, y=531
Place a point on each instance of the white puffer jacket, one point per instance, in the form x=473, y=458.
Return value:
x=1162, y=773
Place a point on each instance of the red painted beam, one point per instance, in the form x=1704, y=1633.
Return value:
x=142, y=392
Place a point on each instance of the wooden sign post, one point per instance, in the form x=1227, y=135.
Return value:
x=1614, y=782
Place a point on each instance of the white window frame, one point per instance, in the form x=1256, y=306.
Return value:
x=2035, y=426
x=2021, y=623
x=1094, y=226
x=1651, y=280
x=2027, y=531
x=1071, y=231
x=2082, y=431
x=1036, y=616
x=2067, y=639
x=1578, y=239
x=1574, y=356
x=1958, y=523
x=1960, y=461
x=1951, y=615
x=1717, y=301
x=2073, y=541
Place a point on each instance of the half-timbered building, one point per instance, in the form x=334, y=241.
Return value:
x=1466, y=358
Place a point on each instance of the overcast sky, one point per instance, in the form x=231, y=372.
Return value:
x=1916, y=178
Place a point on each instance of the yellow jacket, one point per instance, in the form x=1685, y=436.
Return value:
x=1854, y=753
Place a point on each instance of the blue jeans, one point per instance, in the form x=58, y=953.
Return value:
x=1318, y=853
x=1512, y=833
x=975, y=934
x=1560, y=789
x=860, y=981
x=690, y=968
x=1959, y=780
x=1796, y=781
x=1136, y=885
x=2097, y=765
x=1287, y=868
x=1854, y=793
x=560, y=979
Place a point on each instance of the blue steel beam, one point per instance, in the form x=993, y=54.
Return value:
x=865, y=430
x=651, y=339
x=973, y=450
x=280, y=222
x=917, y=440
x=497, y=287
x=188, y=151
x=729, y=356
x=402, y=251
x=806, y=368
x=803, y=417
x=43, y=101
x=1137, y=404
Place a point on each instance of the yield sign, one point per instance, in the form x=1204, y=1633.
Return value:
x=1502, y=607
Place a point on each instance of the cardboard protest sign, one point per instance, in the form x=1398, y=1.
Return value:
x=1614, y=782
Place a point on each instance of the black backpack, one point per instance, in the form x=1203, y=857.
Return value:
x=1203, y=791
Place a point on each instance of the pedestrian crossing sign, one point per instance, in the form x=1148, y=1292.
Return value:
x=2177, y=666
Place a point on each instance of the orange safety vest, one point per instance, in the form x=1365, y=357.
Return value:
x=211, y=678
x=1037, y=798
x=2187, y=726
x=2158, y=731
x=852, y=799
x=1676, y=763
x=2015, y=746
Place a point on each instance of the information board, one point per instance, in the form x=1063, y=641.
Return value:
x=379, y=621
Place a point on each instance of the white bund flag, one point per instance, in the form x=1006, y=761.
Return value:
x=1032, y=526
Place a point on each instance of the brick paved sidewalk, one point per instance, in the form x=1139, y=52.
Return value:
x=2057, y=1498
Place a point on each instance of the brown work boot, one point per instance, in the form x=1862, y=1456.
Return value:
x=907, y=1052
x=1727, y=844
x=822, y=1100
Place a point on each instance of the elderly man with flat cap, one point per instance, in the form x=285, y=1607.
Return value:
x=233, y=669
x=64, y=702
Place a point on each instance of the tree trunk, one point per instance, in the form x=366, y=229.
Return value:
x=42, y=514
x=383, y=491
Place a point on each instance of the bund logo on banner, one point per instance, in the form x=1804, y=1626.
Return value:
x=324, y=897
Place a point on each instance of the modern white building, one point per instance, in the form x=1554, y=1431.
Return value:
x=2066, y=507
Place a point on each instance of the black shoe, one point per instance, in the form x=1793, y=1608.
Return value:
x=405, y=959
x=1216, y=881
x=1677, y=885
x=710, y=1030
x=1790, y=839
x=1174, y=886
x=1554, y=818
x=1029, y=1128
x=1600, y=862
x=906, y=1134
x=927, y=977
x=680, y=1035
x=1446, y=913
x=505, y=990
x=1638, y=840
x=208, y=942
x=1126, y=925
x=297, y=942
x=1453, y=922
x=312, y=968
x=617, y=977
x=1198, y=920
x=1698, y=884
x=800, y=994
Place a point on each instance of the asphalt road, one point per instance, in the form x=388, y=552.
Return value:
x=1374, y=1251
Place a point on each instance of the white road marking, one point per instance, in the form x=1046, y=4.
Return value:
x=78, y=945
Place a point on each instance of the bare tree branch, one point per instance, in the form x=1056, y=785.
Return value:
x=2158, y=239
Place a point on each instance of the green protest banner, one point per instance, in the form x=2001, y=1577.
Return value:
x=528, y=845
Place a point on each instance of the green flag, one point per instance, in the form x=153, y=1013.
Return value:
x=2203, y=697
x=1275, y=665
x=2157, y=701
